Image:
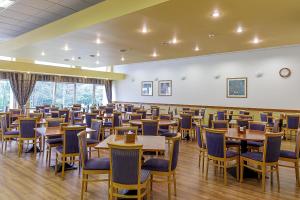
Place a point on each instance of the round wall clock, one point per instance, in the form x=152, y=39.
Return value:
x=285, y=72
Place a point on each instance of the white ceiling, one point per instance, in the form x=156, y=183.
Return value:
x=26, y=15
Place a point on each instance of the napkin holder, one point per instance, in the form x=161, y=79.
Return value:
x=242, y=129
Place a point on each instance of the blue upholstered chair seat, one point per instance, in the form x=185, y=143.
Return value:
x=77, y=118
x=60, y=149
x=168, y=134
x=55, y=141
x=145, y=174
x=125, y=120
x=54, y=136
x=288, y=154
x=91, y=141
x=230, y=154
x=162, y=130
x=15, y=132
x=156, y=164
x=97, y=164
x=204, y=126
x=232, y=142
x=107, y=124
x=258, y=156
x=255, y=144
x=80, y=124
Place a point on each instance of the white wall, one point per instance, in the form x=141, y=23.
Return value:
x=202, y=88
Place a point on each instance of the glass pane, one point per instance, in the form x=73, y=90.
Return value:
x=84, y=94
x=64, y=94
x=42, y=94
x=5, y=94
x=99, y=94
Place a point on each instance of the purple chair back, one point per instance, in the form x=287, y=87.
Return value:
x=96, y=125
x=150, y=127
x=175, y=152
x=143, y=113
x=88, y=119
x=3, y=124
x=166, y=117
x=129, y=108
x=197, y=112
x=55, y=122
x=65, y=114
x=257, y=126
x=293, y=121
x=243, y=123
x=199, y=136
x=46, y=110
x=263, y=117
x=83, y=147
x=54, y=114
x=71, y=144
x=186, y=121
x=135, y=116
x=125, y=164
x=221, y=115
x=202, y=112
x=26, y=128
x=210, y=119
x=117, y=119
x=220, y=124
x=109, y=110
x=215, y=142
x=272, y=147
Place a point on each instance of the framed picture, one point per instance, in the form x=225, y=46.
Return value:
x=147, y=88
x=236, y=87
x=165, y=88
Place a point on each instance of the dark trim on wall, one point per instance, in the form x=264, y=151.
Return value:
x=214, y=107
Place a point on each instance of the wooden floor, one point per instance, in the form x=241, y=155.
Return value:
x=29, y=178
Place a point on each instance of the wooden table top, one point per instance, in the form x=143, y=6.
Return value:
x=150, y=143
x=161, y=122
x=42, y=121
x=249, y=135
x=52, y=131
x=193, y=117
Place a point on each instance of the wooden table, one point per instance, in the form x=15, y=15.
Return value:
x=42, y=121
x=161, y=122
x=196, y=117
x=150, y=143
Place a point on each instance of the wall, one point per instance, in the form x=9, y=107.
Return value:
x=202, y=88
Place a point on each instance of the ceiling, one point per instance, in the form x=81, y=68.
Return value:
x=274, y=22
x=26, y=15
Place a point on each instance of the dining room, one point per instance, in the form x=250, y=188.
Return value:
x=152, y=99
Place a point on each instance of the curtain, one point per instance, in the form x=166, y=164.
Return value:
x=22, y=86
x=108, y=90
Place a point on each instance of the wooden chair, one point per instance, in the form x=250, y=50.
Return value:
x=165, y=167
x=128, y=175
x=94, y=137
x=90, y=166
x=125, y=129
x=217, y=151
x=292, y=125
x=69, y=149
x=292, y=157
x=202, y=147
x=150, y=127
x=6, y=134
x=268, y=158
x=186, y=126
x=260, y=127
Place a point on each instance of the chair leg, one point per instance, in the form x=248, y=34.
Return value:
x=151, y=181
x=174, y=182
x=203, y=161
x=49, y=156
x=225, y=172
x=207, y=165
x=263, y=178
x=148, y=190
x=297, y=173
x=56, y=159
x=278, y=181
x=34, y=143
x=63, y=159
x=82, y=186
x=200, y=158
x=98, y=153
x=237, y=169
x=86, y=183
x=90, y=152
x=19, y=148
x=271, y=175
x=242, y=170
x=169, y=187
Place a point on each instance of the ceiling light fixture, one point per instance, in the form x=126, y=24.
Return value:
x=215, y=14
x=66, y=47
x=211, y=35
x=98, y=54
x=174, y=40
x=73, y=58
x=197, y=48
x=97, y=62
x=6, y=3
x=256, y=40
x=154, y=54
x=43, y=53
x=98, y=41
x=145, y=29
x=239, y=29
x=122, y=59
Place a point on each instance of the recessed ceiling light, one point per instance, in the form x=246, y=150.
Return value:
x=196, y=48
x=174, y=40
x=256, y=40
x=98, y=41
x=211, y=35
x=239, y=29
x=6, y=3
x=215, y=14
x=97, y=62
x=122, y=59
x=144, y=29
x=73, y=58
x=154, y=54
x=98, y=54
x=43, y=53
x=66, y=47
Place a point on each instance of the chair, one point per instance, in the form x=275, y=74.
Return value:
x=292, y=157
x=164, y=130
x=128, y=175
x=125, y=130
x=108, y=110
x=243, y=123
x=217, y=151
x=37, y=116
x=94, y=137
x=165, y=167
x=27, y=133
x=14, y=113
x=202, y=147
x=69, y=149
x=259, y=127
x=91, y=166
x=155, y=110
x=185, y=125
x=268, y=158
x=221, y=115
x=76, y=118
x=150, y=127
x=88, y=119
x=220, y=124
x=5, y=133
x=143, y=113
x=292, y=124
x=134, y=116
x=64, y=113
x=53, y=141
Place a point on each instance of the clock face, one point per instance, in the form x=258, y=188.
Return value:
x=285, y=72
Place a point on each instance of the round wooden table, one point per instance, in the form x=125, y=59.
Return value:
x=161, y=122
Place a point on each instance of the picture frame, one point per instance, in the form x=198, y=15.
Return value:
x=147, y=88
x=165, y=88
x=237, y=87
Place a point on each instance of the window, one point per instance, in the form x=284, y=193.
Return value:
x=84, y=94
x=100, y=96
x=6, y=95
x=42, y=94
x=64, y=94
